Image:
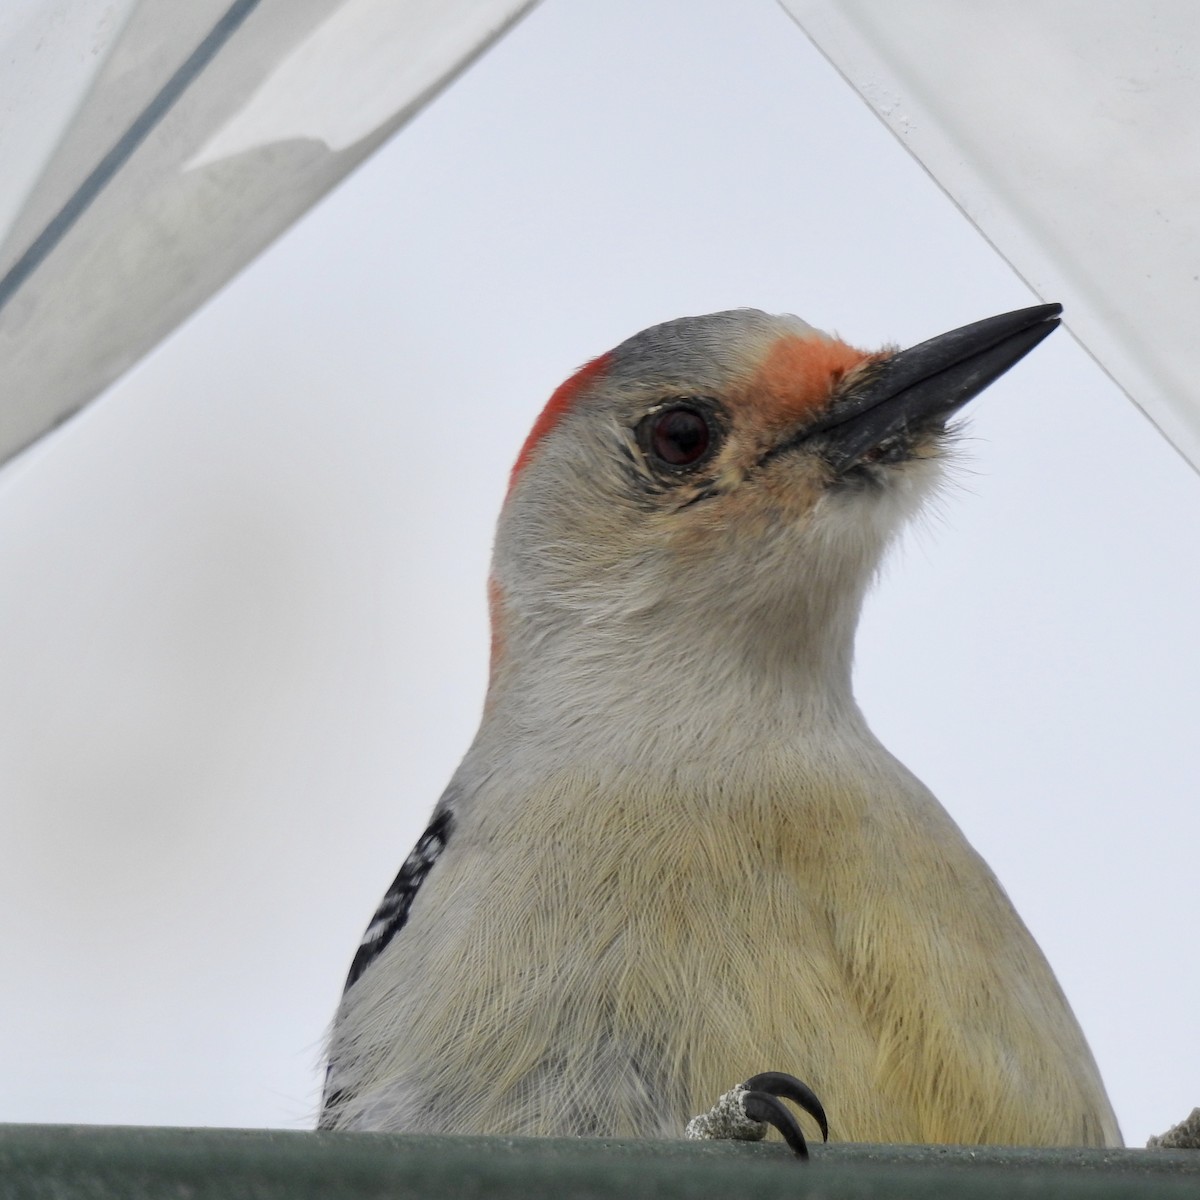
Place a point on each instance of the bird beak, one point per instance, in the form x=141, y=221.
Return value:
x=918, y=390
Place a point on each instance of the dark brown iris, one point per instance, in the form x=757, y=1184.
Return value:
x=679, y=436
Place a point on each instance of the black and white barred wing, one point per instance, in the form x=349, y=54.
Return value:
x=390, y=918
x=392, y=914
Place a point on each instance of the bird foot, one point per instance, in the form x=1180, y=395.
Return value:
x=744, y=1112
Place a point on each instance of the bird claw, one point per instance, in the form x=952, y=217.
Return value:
x=744, y=1112
x=776, y=1083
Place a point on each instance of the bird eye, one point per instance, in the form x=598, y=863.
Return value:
x=679, y=436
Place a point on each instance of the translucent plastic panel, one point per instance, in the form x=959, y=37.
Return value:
x=1068, y=134
x=51, y=51
x=173, y=144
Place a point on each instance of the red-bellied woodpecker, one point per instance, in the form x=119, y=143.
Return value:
x=675, y=854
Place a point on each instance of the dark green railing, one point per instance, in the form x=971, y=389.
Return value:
x=79, y=1162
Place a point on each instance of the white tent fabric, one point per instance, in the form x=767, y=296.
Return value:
x=1067, y=133
x=152, y=148
x=51, y=54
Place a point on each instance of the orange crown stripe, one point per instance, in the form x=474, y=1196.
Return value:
x=796, y=376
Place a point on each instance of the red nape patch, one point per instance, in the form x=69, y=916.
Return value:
x=556, y=408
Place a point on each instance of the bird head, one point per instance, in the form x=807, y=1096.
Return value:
x=720, y=489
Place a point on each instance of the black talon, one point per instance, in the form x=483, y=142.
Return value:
x=776, y=1083
x=762, y=1106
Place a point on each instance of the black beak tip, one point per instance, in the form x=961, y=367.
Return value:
x=1045, y=318
x=928, y=383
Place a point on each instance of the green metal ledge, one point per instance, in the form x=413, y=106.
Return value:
x=81, y=1162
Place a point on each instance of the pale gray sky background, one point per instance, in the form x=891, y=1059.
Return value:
x=242, y=625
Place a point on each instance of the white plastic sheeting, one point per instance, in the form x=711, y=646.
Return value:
x=51, y=52
x=151, y=148
x=1068, y=133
